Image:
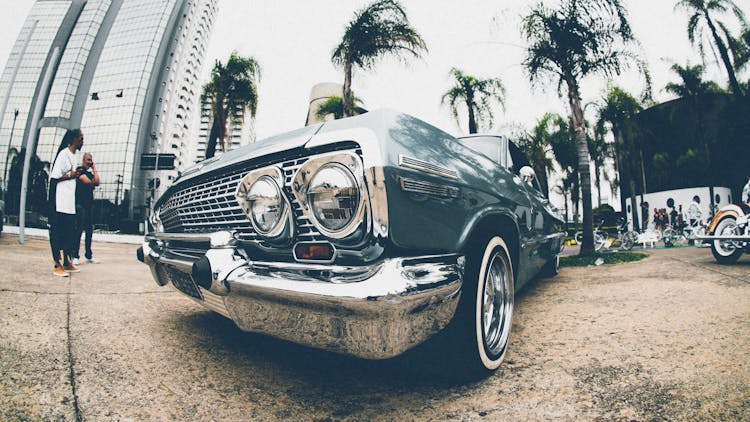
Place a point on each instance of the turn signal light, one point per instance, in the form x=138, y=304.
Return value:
x=313, y=251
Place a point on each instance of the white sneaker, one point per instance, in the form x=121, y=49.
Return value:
x=92, y=260
x=75, y=261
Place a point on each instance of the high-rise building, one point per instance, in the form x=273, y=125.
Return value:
x=124, y=71
x=240, y=131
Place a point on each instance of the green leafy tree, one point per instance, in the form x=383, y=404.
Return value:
x=563, y=143
x=232, y=89
x=578, y=39
x=477, y=95
x=703, y=12
x=600, y=150
x=536, y=145
x=692, y=84
x=617, y=113
x=37, y=190
x=380, y=28
x=335, y=105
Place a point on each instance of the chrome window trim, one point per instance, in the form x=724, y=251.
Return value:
x=276, y=175
x=307, y=171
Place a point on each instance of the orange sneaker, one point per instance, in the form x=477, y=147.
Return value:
x=70, y=268
x=59, y=271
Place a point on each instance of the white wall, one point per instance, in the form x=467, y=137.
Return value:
x=682, y=197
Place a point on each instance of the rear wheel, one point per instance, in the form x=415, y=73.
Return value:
x=600, y=240
x=726, y=251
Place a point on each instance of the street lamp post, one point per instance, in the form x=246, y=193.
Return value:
x=118, y=182
x=7, y=154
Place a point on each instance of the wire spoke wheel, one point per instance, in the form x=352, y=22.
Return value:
x=726, y=251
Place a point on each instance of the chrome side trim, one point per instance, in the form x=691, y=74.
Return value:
x=428, y=188
x=425, y=167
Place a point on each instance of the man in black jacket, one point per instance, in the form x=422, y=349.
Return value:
x=87, y=181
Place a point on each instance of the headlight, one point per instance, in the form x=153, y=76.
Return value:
x=334, y=197
x=266, y=205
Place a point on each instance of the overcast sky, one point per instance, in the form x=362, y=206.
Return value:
x=293, y=41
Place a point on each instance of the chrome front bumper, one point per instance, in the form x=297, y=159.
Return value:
x=374, y=311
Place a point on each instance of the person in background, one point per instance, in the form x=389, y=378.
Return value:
x=85, y=184
x=694, y=214
x=63, y=186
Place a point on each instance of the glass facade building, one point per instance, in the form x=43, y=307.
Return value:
x=124, y=71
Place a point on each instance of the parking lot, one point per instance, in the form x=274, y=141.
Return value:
x=663, y=338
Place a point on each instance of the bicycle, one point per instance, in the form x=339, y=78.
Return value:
x=684, y=233
x=626, y=237
x=601, y=237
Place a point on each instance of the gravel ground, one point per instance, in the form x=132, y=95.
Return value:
x=663, y=338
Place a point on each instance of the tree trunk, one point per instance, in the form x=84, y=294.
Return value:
x=724, y=55
x=584, y=170
x=638, y=224
x=620, y=171
x=598, y=184
x=346, y=95
x=472, y=118
x=211, y=142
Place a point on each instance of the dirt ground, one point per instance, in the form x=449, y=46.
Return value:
x=663, y=338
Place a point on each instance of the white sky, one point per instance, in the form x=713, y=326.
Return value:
x=293, y=41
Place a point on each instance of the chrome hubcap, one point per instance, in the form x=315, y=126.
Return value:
x=497, y=305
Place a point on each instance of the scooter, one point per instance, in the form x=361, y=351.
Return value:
x=728, y=234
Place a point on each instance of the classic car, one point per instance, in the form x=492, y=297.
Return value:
x=365, y=236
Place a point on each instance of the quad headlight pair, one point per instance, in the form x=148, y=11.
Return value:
x=326, y=187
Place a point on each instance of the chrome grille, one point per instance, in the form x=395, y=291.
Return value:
x=209, y=205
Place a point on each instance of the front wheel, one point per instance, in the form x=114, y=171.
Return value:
x=726, y=251
x=628, y=240
x=478, y=337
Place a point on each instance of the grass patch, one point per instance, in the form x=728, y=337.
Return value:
x=607, y=258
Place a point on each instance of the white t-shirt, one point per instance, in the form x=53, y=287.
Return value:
x=65, y=201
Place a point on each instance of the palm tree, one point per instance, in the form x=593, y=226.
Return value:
x=335, y=105
x=379, y=29
x=600, y=150
x=692, y=84
x=704, y=11
x=477, y=94
x=232, y=89
x=561, y=139
x=580, y=38
x=618, y=111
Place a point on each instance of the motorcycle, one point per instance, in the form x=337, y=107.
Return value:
x=728, y=234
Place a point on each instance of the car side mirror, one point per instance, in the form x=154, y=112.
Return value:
x=527, y=175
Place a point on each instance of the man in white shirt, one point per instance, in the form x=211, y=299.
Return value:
x=745, y=198
x=62, y=229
